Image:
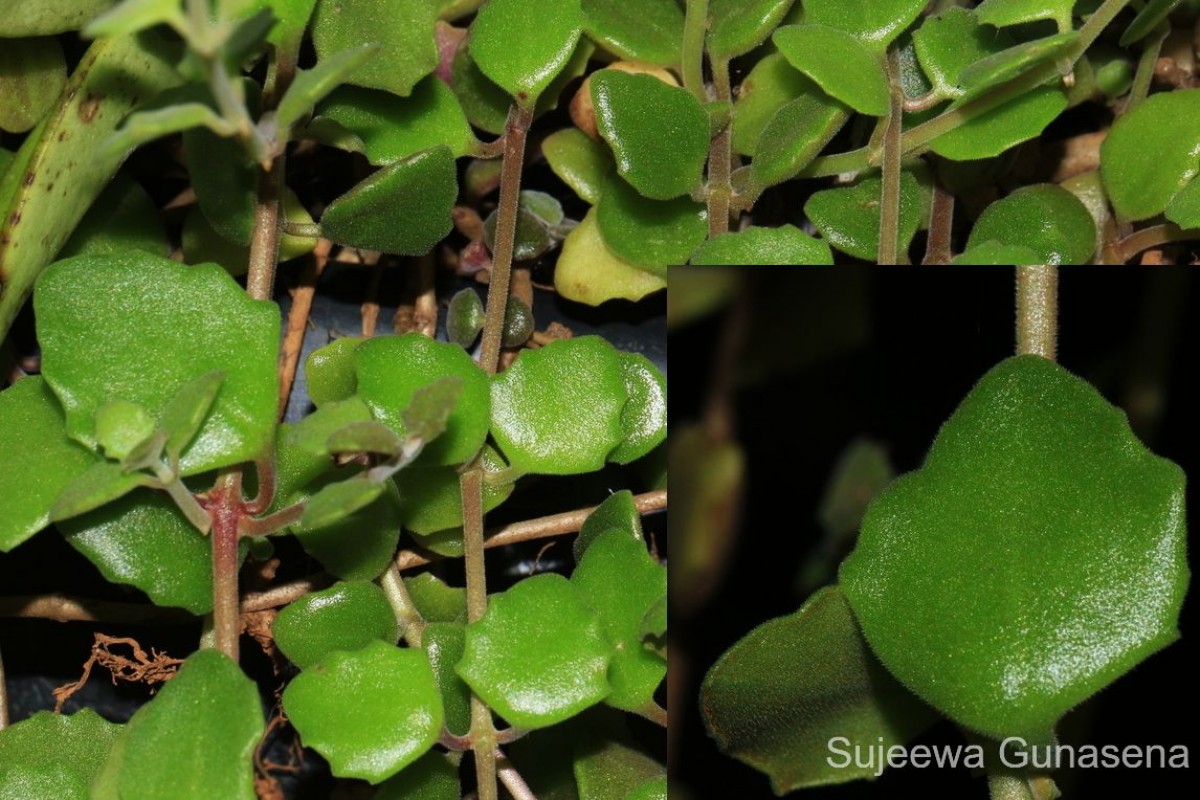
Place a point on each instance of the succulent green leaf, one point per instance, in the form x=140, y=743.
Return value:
x=644, y=417
x=337, y=501
x=580, y=162
x=404, y=208
x=875, y=22
x=392, y=371
x=658, y=133
x=651, y=234
x=392, y=128
x=1001, y=67
x=302, y=448
x=370, y=712
x=312, y=85
x=1184, y=208
x=1151, y=154
x=431, y=500
x=225, y=181
x=949, y=42
x=771, y=84
x=538, y=656
x=608, y=766
x=196, y=738
x=618, y=578
x=433, y=776
x=101, y=483
x=464, y=318
x=589, y=272
x=840, y=63
x=739, y=26
x=650, y=31
x=329, y=371
x=121, y=426
x=783, y=727
x=54, y=755
x=124, y=217
x=358, y=547
x=848, y=216
x=435, y=600
x=993, y=253
x=522, y=57
x=132, y=16
x=1148, y=18
x=532, y=237
x=1002, y=13
x=1045, y=218
x=518, y=323
x=139, y=327
x=292, y=18
x=557, y=410
x=444, y=643
x=143, y=540
x=39, y=459
x=146, y=126
x=49, y=16
x=1036, y=556
x=32, y=74
x=797, y=132
x=58, y=171
x=780, y=246
x=184, y=414
x=485, y=104
x=404, y=29
x=346, y=616
x=995, y=131
x=617, y=512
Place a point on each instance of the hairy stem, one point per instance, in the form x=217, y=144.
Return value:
x=695, y=27
x=1037, y=310
x=1154, y=236
x=1144, y=74
x=3, y=696
x=264, y=243
x=225, y=509
x=941, y=226
x=889, y=209
x=483, y=732
x=720, y=156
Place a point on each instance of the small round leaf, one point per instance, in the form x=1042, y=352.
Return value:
x=403, y=28
x=578, y=161
x=521, y=45
x=346, y=616
x=589, y=272
x=780, y=246
x=652, y=234
x=875, y=22
x=848, y=216
x=739, y=26
x=1045, y=218
x=650, y=31
x=839, y=63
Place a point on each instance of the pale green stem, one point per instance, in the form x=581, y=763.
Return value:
x=1144, y=75
x=410, y=623
x=1037, y=311
x=695, y=27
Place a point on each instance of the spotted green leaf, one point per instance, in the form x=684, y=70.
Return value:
x=658, y=133
x=842, y=65
x=783, y=728
x=49, y=16
x=580, y=162
x=54, y=755
x=848, y=216
x=32, y=74
x=538, y=656
x=738, y=26
x=404, y=29
x=1150, y=154
x=132, y=16
x=1035, y=481
x=651, y=234
x=346, y=616
x=797, y=132
x=784, y=245
x=875, y=22
x=650, y=31
x=1045, y=218
x=370, y=712
x=521, y=57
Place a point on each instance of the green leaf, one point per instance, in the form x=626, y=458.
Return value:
x=519, y=56
x=124, y=217
x=1150, y=17
x=49, y=16
x=580, y=162
x=617, y=512
x=358, y=547
x=392, y=128
x=1184, y=208
x=404, y=29
x=619, y=579
x=1044, y=218
x=739, y=26
x=875, y=22
x=32, y=74
x=1002, y=67
x=292, y=18
x=842, y=65
x=795, y=136
x=431, y=500
x=1150, y=154
x=346, y=616
x=58, y=171
x=771, y=84
x=404, y=208
x=949, y=42
x=54, y=755
x=485, y=104
x=196, y=738
x=100, y=484
x=139, y=327
x=650, y=31
x=329, y=371
x=365, y=437
x=607, y=765
x=369, y=712
x=39, y=460
x=1048, y=545
x=145, y=126
x=444, y=643
x=589, y=272
x=538, y=655
x=464, y=318
x=436, y=601
x=993, y=253
x=433, y=776
x=991, y=133
x=777, y=698
x=1002, y=13
x=532, y=237
x=143, y=540
x=312, y=85
x=644, y=417
x=121, y=426
x=392, y=371
x=131, y=16
x=780, y=246
x=557, y=410
x=302, y=448
x=653, y=789
x=339, y=500
x=184, y=414
x=651, y=234
x=658, y=133
x=225, y=182
x=848, y=216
